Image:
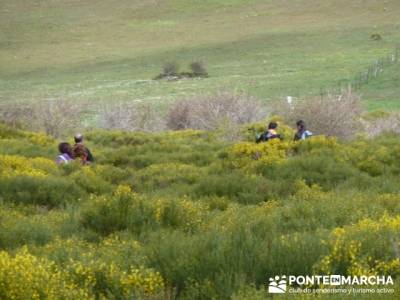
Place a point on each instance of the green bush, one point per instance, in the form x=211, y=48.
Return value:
x=122, y=211
x=51, y=192
x=236, y=186
x=17, y=230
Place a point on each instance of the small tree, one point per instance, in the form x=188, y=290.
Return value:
x=376, y=37
x=198, y=69
x=171, y=69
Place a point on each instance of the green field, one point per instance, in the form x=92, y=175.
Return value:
x=110, y=50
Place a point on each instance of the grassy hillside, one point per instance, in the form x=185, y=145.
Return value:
x=383, y=93
x=184, y=215
x=103, y=50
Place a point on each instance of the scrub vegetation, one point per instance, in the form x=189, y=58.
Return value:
x=189, y=215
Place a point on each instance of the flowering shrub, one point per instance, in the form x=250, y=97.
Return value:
x=317, y=144
x=109, y=214
x=141, y=281
x=13, y=166
x=40, y=139
x=182, y=213
x=128, y=210
x=248, y=154
x=376, y=158
x=25, y=276
x=88, y=179
x=185, y=215
x=366, y=248
x=100, y=279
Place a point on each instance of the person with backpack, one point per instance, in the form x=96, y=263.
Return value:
x=66, y=155
x=81, y=151
x=302, y=133
x=269, y=134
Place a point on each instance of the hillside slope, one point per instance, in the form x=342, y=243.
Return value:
x=102, y=50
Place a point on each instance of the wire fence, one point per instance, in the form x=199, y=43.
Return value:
x=374, y=70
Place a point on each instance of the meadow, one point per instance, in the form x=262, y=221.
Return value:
x=98, y=51
x=185, y=215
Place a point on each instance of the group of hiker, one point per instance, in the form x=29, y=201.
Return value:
x=78, y=151
x=271, y=132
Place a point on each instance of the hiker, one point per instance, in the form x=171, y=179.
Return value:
x=65, y=154
x=269, y=134
x=79, y=150
x=302, y=133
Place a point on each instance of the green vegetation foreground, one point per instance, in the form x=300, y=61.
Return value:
x=184, y=215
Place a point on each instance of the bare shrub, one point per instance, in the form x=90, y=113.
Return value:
x=180, y=115
x=208, y=112
x=16, y=114
x=131, y=117
x=332, y=115
x=385, y=123
x=60, y=116
x=55, y=117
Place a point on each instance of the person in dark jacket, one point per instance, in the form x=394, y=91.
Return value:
x=81, y=151
x=302, y=133
x=269, y=134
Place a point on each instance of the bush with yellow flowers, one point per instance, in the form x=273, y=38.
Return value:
x=35, y=181
x=126, y=210
x=376, y=158
x=246, y=154
x=25, y=276
x=39, y=138
x=251, y=131
x=107, y=214
x=115, y=265
x=189, y=215
x=13, y=166
x=88, y=179
x=366, y=248
x=180, y=213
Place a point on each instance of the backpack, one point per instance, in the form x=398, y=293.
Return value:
x=266, y=136
x=306, y=134
x=80, y=152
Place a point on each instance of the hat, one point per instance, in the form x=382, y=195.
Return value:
x=78, y=137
